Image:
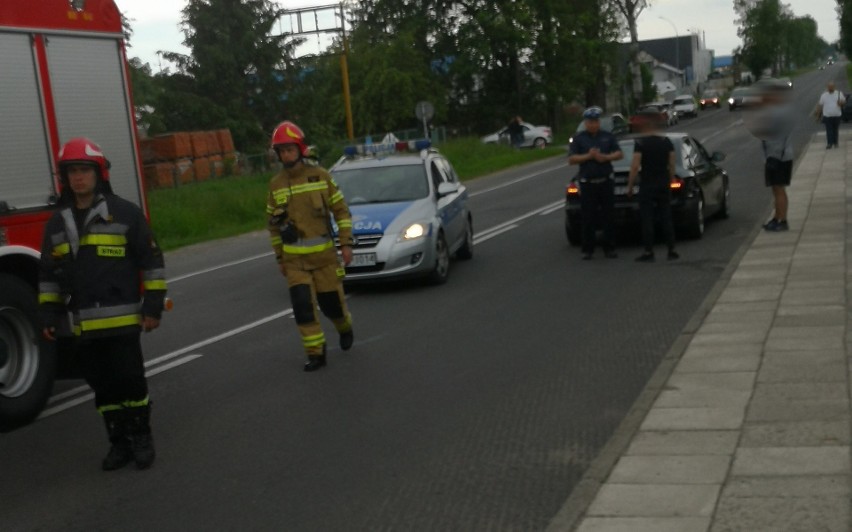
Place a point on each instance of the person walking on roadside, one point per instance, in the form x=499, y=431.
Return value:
x=302, y=198
x=654, y=160
x=594, y=150
x=773, y=124
x=101, y=265
x=516, y=132
x=831, y=109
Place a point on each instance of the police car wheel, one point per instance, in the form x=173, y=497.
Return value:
x=539, y=143
x=465, y=252
x=441, y=272
x=27, y=361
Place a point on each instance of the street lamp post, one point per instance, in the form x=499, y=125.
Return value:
x=677, y=48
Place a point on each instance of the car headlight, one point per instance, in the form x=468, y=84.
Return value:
x=414, y=231
x=731, y=101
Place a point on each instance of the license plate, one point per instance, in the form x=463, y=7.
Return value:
x=363, y=259
x=622, y=191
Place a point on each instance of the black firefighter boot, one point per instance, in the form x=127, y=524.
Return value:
x=315, y=362
x=119, y=453
x=141, y=441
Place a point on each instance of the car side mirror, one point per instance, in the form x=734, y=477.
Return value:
x=717, y=157
x=445, y=189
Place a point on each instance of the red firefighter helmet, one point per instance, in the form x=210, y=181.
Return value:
x=81, y=150
x=289, y=133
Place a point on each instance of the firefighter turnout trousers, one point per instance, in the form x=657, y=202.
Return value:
x=310, y=288
x=113, y=366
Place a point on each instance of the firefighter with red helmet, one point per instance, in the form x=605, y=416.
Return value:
x=102, y=281
x=302, y=199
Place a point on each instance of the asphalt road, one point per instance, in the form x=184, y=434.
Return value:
x=475, y=405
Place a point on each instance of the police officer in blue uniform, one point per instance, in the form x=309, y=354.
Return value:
x=594, y=150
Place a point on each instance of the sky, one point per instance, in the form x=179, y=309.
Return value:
x=156, y=23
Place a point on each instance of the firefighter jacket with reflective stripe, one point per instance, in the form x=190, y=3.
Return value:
x=307, y=197
x=108, y=275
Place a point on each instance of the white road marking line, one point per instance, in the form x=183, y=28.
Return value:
x=739, y=122
x=89, y=396
x=516, y=181
x=198, y=345
x=480, y=239
x=219, y=267
x=553, y=209
x=65, y=397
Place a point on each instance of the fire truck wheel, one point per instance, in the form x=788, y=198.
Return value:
x=27, y=361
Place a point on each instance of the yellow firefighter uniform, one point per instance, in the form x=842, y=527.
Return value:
x=300, y=204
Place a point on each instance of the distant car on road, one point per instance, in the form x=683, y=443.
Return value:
x=615, y=123
x=700, y=190
x=644, y=113
x=684, y=105
x=669, y=110
x=743, y=97
x=710, y=99
x=534, y=136
x=410, y=212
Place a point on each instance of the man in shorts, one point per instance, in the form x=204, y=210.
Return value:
x=773, y=125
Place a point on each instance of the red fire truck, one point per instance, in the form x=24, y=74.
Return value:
x=63, y=74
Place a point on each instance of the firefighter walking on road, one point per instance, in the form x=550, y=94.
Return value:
x=102, y=281
x=302, y=198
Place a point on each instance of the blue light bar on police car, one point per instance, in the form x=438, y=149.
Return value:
x=387, y=148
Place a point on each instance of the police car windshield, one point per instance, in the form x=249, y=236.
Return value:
x=382, y=184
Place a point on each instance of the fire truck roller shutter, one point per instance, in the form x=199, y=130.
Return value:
x=90, y=94
x=26, y=174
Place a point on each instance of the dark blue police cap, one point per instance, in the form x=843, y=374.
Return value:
x=593, y=113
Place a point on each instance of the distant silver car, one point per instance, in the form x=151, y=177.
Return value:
x=743, y=97
x=667, y=108
x=410, y=211
x=534, y=136
x=685, y=106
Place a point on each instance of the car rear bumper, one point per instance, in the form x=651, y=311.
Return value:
x=626, y=213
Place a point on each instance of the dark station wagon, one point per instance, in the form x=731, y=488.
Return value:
x=700, y=190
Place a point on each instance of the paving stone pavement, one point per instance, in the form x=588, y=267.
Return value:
x=751, y=430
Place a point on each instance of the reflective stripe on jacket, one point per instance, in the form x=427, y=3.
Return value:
x=109, y=274
x=310, y=197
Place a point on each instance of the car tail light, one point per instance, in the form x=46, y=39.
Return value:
x=676, y=183
x=572, y=190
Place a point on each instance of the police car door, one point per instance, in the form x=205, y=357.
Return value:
x=450, y=201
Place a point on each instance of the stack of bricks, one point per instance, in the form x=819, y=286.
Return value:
x=175, y=159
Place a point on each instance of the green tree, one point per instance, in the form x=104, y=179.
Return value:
x=761, y=24
x=630, y=10
x=801, y=44
x=234, y=68
x=844, y=12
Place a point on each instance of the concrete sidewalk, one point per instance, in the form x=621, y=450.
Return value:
x=751, y=431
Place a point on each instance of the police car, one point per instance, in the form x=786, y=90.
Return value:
x=409, y=210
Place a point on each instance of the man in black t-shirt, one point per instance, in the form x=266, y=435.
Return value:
x=654, y=161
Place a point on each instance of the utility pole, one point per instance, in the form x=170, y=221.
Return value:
x=314, y=21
